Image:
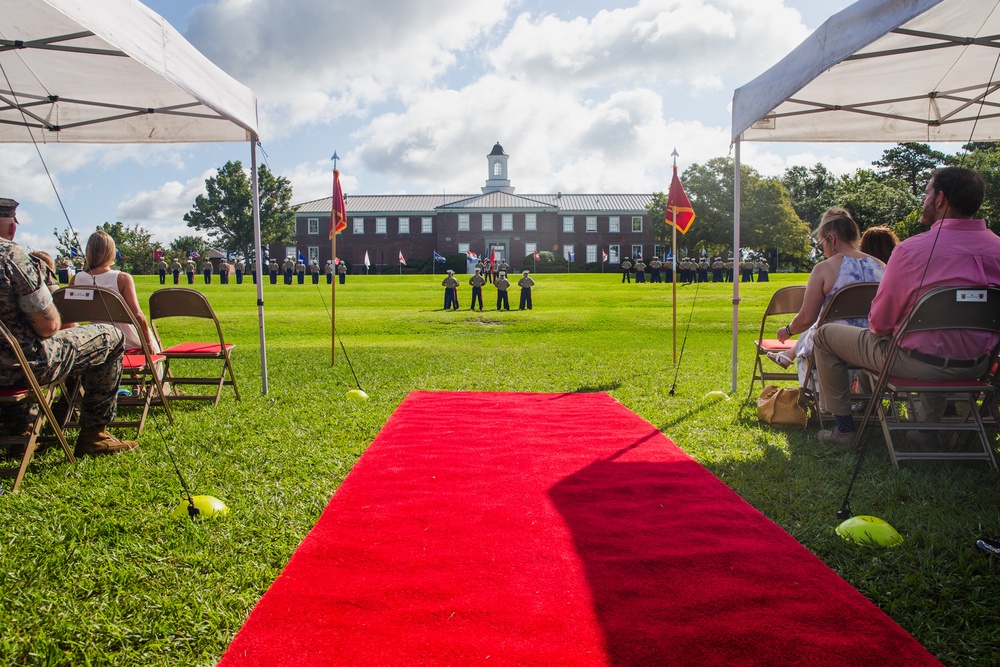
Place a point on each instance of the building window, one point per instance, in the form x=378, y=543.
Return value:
x=591, y=254
x=530, y=248
x=359, y=225
x=426, y=225
x=613, y=255
x=404, y=225
x=568, y=253
x=659, y=251
x=637, y=223
x=463, y=247
x=637, y=252
x=568, y=224
x=591, y=223
x=507, y=222
x=463, y=222
x=614, y=224
x=312, y=226
x=313, y=254
x=530, y=222
x=380, y=225
x=497, y=168
x=487, y=222
x=291, y=252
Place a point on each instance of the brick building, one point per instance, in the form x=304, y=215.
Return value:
x=579, y=227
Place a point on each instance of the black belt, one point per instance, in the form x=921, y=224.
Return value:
x=944, y=362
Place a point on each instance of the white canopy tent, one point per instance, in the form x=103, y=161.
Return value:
x=113, y=71
x=879, y=71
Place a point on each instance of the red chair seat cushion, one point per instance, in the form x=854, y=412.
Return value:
x=138, y=361
x=197, y=348
x=13, y=391
x=775, y=345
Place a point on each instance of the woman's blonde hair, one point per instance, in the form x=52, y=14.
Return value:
x=100, y=250
x=838, y=221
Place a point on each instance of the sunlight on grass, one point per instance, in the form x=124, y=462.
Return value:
x=95, y=569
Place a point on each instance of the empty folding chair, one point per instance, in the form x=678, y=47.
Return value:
x=141, y=374
x=30, y=392
x=786, y=301
x=183, y=302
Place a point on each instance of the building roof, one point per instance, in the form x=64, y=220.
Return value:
x=431, y=204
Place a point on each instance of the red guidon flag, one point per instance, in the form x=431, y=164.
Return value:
x=679, y=204
x=401, y=260
x=537, y=256
x=338, y=216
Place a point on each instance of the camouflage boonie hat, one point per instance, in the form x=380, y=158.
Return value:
x=7, y=207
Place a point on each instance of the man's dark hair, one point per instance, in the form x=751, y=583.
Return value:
x=964, y=189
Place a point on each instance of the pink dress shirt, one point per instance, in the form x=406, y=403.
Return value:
x=965, y=252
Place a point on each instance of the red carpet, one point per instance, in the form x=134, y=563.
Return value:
x=552, y=529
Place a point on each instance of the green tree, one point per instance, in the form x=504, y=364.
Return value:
x=225, y=214
x=871, y=199
x=709, y=186
x=68, y=243
x=807, y=188
x=135, y=245
x=182, y=247
x=769, y=222
x=984, y=158
x=911, y=163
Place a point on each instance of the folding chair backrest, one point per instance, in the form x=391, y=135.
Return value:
x=976, y=308
x=786, y=300
x=92, y=304
x=97, y=304
x=179, y=302
x=849, y=302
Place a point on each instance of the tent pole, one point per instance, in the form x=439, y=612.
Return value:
x=736, y=261
x=258, y=264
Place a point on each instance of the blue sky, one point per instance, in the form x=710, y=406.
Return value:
x=585, y=96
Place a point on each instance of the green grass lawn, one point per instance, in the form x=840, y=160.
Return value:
x=95, y=571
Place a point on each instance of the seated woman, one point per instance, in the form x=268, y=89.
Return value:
x=838, y=236
x=100, y=254
x=879, y=242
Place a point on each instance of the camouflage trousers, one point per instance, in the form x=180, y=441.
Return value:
x=92, y=353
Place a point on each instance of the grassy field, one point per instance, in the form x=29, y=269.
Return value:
x=95, y=571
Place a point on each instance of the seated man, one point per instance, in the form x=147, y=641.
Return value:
x=93, y=351
x=958, y=250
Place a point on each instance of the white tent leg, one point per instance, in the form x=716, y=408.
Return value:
x=258, y=265
x=736, y=263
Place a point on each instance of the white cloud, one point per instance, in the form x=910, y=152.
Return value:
x=317, y=60
x=692, y=40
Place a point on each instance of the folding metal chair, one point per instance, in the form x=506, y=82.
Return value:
x=31, y=392
x=943, y=308
x=183, y=302
x=140, y=374
x=849, y=302
x=786, y=301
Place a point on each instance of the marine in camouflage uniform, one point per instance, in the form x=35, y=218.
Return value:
x=92, y=352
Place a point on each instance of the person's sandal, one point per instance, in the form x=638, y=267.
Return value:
x=780, y=358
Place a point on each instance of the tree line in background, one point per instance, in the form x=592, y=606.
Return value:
x=777, y=213
x=224, y=214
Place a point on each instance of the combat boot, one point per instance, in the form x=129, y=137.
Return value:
x=95, y=441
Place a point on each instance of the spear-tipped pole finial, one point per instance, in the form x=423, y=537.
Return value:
x=335, y=158
x=674, y=155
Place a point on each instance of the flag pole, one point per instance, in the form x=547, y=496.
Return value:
x=336, y=269
x=674, y=271
x=674, y=262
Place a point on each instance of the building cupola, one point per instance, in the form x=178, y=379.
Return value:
x=496, y=180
